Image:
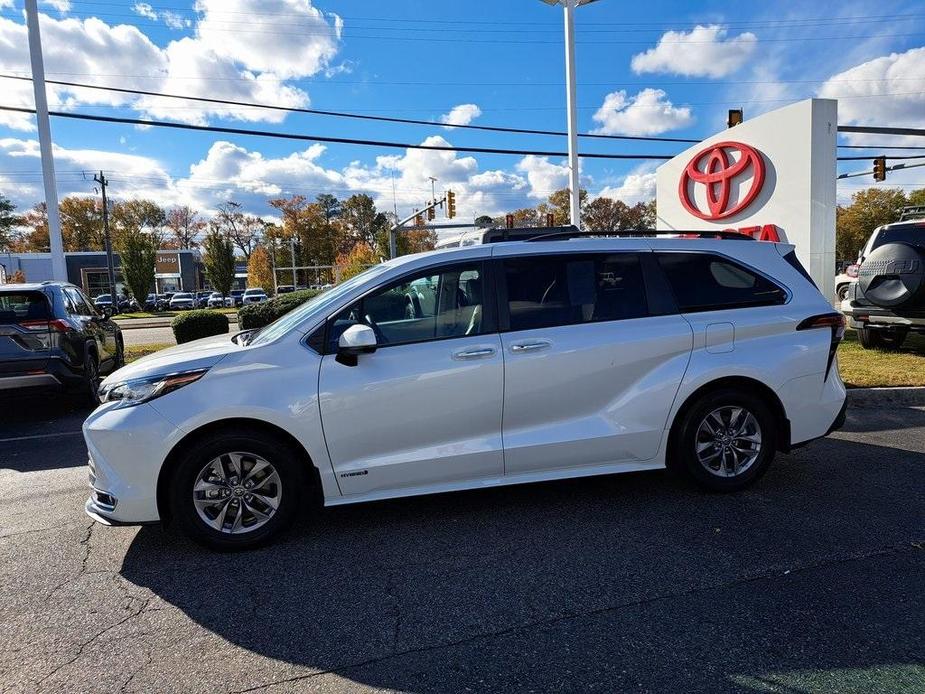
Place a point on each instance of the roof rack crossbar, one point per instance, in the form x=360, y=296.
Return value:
x=648, y=233
x=912, y=212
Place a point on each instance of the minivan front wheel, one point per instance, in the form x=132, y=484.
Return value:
x=236, y=491
x=725, y=441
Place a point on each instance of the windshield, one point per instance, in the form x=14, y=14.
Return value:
x=317, y=305
x=104, y=297
x=908, y=233
x=182, y=296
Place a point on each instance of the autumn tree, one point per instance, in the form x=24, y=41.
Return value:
x=606, y=214
x=305, y=223
x=219, y=261
x=130, y=217
x=184, y=225
x=362, y=222
x=260, y=269
x=138, y=256
x=8, y=223
x=81, y=223
x=868, y=209
x=243, y=229
x=559, y=203
x=360, y=257
x=35, y=238
x=484, y=221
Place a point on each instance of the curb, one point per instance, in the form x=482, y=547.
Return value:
x=878, y=397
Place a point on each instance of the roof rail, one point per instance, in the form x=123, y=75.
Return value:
x=574, y=233
x=912, y=212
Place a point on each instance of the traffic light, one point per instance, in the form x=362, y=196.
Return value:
x=450, y=204
x=550, y=219
x=430, y=214
x=509, y=221
x=418, y=220
x=736, y=116
x=880, y=169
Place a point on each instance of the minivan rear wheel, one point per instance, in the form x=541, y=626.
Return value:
x=725, y=441
x=236, y=491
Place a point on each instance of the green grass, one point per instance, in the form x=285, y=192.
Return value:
x=166, y=314
x=138, y=351
x=866, y=368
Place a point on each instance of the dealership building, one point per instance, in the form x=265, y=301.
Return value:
x=174, y=270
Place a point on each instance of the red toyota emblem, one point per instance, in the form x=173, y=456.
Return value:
x=717, y=169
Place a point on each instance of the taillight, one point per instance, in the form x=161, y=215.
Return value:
x=836, y=323
x=55, y=325
x=852, y=270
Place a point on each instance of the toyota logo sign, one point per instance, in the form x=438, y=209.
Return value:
x=719, y=170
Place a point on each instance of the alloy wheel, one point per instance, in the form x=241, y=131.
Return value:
x=728, y=441
x=237, y=492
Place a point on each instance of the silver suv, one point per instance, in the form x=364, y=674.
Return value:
x=887, y=301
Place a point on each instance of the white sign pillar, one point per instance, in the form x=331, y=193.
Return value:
x=771, y=177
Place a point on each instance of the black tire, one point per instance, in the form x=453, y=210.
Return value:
x=889, y=340
x=683, y=452
x=91, y=380
x=287, y=463
x=843, y=292
x=119, y=360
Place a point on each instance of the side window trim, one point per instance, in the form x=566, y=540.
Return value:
x=488, y=316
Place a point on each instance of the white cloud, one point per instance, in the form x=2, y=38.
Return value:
x=229, y=58
x=702, y=52
x=173, y=20
x=637, y=186
x=889, y=90
x=143, y=9
x=647, y=113
x=544, y=176
x=288, y=38
x=60, y=5
x=463, y=114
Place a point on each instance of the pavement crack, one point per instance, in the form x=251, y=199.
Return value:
x=910, y=546
x=37, y=530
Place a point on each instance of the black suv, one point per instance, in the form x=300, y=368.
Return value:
x=52, y=337
x=887, y=301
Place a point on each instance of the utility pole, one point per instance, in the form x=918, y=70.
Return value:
x=58, y=265
x=107, y=240
x=292, y=251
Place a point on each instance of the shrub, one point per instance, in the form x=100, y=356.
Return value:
x=193, y=325
x=259, y=315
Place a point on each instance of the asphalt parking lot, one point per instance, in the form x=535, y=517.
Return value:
x=809, y=582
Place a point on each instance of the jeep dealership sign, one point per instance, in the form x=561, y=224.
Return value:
x=772, y=177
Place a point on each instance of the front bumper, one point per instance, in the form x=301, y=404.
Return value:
x=127, y=448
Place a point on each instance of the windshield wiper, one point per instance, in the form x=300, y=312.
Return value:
x=244, y=337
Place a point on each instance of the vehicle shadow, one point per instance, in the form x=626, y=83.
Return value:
x=42, y=432
x=632, y=581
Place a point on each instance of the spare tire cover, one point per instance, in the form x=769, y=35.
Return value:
x=893, y=276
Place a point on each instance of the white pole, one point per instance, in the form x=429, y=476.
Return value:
x=572, y=107
x=58, y=266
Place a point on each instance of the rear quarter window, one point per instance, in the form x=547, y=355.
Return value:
x=707, y=282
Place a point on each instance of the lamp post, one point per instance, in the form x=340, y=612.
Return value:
x=571, y=105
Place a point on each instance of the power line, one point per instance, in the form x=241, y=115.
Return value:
x=341, y=114
x=335, y=140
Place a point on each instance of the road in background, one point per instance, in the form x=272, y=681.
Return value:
x=810, y=581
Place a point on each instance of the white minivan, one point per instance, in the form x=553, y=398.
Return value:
x=475, y=367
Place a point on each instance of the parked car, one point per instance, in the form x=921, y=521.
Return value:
x=103, y=302
x=887, y=301
x=202, y=299
x=254, y=295
x=844, y=279
x=182, y=301
x=51, y=337
x=235, y=299
x=284, y=289
x=538, y=361
x=151, y=303
x=215, y=300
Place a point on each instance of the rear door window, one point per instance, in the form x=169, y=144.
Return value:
x=549, y=290
x=18, y=307
x=707, y=282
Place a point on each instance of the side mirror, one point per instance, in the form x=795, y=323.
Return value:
x=355, y=340
x=106, y=311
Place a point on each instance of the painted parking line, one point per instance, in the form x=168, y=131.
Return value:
x=41, y=436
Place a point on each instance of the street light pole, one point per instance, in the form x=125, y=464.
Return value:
x=572, y=108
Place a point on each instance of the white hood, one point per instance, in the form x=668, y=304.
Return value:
x=198, y=354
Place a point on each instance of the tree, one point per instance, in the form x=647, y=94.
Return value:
x=138, y=256
x=362, y=222
x=219, y=261
x=360, y=257
x=137, y=216
x=17, y=278
x=243, y=229
x=35, y=239
x=868, y=209
x=484, y=221
x=260, y=269
x=559, y=203
x=8, y=223
x=81, y=223
x=185, y=225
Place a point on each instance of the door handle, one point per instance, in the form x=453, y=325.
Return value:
x=478, y=353
x=531, y=346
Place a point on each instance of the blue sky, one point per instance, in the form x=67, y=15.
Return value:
x=654, y=68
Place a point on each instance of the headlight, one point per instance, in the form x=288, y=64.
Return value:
x=138, y=390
